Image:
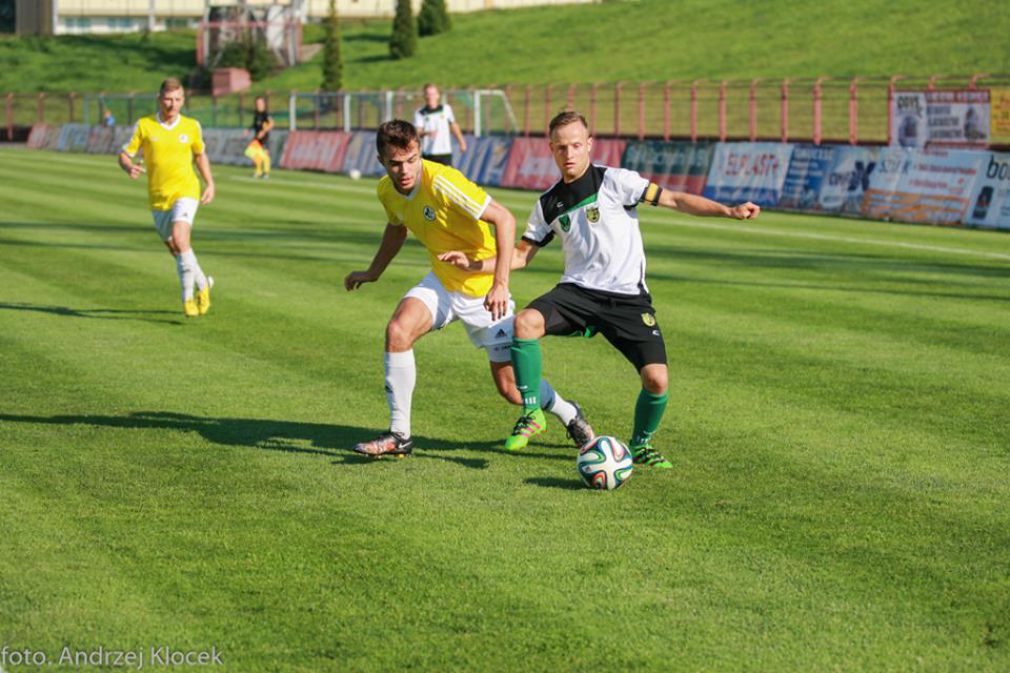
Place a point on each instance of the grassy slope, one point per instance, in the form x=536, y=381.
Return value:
x=837, y=418
x=649, y=39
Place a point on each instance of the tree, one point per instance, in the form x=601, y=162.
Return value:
x=333, y=67
x=433, y=18
x=403, y=41
x=249, y=52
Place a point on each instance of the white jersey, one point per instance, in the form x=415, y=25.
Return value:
x=597, y=221
x=436, y=121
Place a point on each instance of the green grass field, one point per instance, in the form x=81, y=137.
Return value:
x=637, y=40
x=838, y=421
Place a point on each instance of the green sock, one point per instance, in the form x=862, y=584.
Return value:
x=526, y=362
x=648, y=413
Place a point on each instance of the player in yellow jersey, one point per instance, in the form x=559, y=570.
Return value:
x=170, y=143
x=446, y=212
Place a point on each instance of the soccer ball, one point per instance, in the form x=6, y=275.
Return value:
x=354, y=174
x=604, y=463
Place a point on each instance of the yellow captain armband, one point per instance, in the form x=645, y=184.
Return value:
x=651, y=194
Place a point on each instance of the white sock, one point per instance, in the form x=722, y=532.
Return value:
x=198, y=275
x=401, y=374
x=557, y=405
x=184, y=263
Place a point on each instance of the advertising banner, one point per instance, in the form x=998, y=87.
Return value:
x=748, y=172
x=73, y=138
x=530, y=165
x=989, y=205
x=921, y=118
x=846, y=179
x=930, y=186
x=809, y=167
x=315, y=150
x=484, y=159
x=606, y=152
x=43, y=137
x=361, y=154
x=680, y=166
x=999, y=116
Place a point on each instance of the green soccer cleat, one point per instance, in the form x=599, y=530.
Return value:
x=528, y=425
x=648, y=456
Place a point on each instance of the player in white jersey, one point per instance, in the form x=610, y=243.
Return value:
x=593, y=211
x=434, y=122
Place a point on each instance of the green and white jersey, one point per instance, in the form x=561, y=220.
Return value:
x=435, y=121
x=596, y=218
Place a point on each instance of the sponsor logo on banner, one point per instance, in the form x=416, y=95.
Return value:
x=847, y=179
x=679, y=166
x=908, y=119
x=999, y=116
x=930, y=186
x=989, y=205
x=929, y=118
x=748, y=172
x=809, y=167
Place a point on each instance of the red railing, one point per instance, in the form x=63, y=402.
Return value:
x=853, y=110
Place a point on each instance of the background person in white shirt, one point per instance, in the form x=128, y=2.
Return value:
x=434, y=122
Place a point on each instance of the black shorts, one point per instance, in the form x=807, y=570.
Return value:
x=627, y=322
x=438, y=158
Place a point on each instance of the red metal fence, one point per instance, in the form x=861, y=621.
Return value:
x=824, y=109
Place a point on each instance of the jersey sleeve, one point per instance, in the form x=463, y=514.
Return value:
x=538, y=230
x=630, y=185
x=450, y=118
x=461, y=194
x=418, y=120
x=132, y=146
x=197, y=144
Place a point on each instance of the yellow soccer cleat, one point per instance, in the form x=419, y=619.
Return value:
x=203, y=297
x=189, y=308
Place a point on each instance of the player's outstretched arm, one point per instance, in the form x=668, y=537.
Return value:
x=203, y=165
x=522, y=255
x=392, y=240
x=497, y=300
x=693, y=204
x=132, y=169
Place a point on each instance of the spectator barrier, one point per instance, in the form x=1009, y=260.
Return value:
x=908, y=184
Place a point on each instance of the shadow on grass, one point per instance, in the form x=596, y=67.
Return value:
x=270, y=435
x=556, y=482
x=94, y=313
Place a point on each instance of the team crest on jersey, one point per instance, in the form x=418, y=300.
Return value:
x=566, y=223
x=429, y=213
x=183, y=138
x=593, y=214
x=649, y=319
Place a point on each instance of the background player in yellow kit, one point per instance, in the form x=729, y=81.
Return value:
x=446, y=212
x=169, y=144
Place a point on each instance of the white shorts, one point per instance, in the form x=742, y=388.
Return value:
x=494, y=336
x=183, y=210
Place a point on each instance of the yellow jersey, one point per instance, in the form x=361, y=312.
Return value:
x=443, y=211
x=168, y=158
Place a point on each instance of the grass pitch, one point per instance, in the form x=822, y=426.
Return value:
x=837, y=420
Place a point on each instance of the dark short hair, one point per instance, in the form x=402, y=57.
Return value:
x=565, y=118
x=170, y=84
x=396, y=133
